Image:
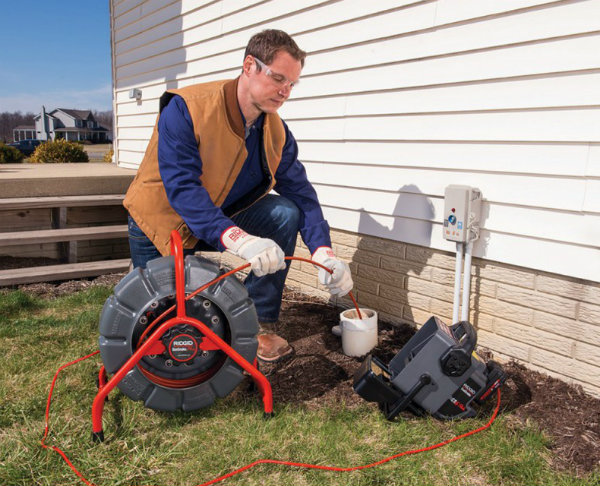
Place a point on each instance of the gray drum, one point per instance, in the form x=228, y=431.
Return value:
x=183, y=377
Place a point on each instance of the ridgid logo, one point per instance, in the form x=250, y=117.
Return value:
x=183, y=347
x=236, y=233
x=467, y=390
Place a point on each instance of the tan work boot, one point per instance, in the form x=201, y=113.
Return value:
x=272, y=348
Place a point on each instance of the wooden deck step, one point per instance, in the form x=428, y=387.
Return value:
x=61, y=201
x=69, y=271
x=63, y=234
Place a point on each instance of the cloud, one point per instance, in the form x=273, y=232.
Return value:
x=96, y=99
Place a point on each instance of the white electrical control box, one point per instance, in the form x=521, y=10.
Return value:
x=462, y=210
x=135, y=94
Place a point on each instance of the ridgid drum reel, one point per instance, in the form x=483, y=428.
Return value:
x=176, y=336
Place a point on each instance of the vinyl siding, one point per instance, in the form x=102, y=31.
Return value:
x=398, y=99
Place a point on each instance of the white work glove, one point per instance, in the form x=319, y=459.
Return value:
x=340, y=281
x=263, y=254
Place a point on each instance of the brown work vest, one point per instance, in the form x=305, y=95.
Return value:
x=220, y=135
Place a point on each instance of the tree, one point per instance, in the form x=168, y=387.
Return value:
x=9, y=120
x=104, y=118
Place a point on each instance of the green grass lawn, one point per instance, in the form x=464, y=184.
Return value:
x=143, y=446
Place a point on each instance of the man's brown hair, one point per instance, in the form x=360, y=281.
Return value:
x=266, y=44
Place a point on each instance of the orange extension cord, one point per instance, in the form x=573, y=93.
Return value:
x=261, y=461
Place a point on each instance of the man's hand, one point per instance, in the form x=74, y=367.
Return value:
x=263, y=254
x=340, y=281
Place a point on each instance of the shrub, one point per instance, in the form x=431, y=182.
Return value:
x=10, y=155
x=59, y=151
x=108, y=155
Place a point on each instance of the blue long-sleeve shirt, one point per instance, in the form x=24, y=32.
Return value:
x=180, y=168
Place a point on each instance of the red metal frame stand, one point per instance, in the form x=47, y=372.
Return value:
x=211, y=341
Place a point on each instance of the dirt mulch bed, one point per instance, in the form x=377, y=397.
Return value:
x=319, y=374
x=565, y=413
x=48, y=290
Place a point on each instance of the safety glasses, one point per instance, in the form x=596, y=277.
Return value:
x=277, y=78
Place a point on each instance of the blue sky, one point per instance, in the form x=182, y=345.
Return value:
x=55, y=53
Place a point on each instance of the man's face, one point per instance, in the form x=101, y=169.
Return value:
x=270, y=86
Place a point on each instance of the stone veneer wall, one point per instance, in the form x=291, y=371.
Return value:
x=548, y=322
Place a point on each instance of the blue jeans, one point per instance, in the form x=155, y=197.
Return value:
x=273, y=217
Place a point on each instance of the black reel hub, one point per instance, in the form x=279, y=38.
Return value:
x=183, y=347
x=180, y=375
x=182, y=357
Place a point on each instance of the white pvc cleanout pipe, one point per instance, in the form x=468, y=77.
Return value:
x=464, y=315
x=457, y=273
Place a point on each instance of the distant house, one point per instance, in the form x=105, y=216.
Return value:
x=72, y=125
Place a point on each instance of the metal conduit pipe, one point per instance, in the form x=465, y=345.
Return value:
x=457, y=274
x=464, y=315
